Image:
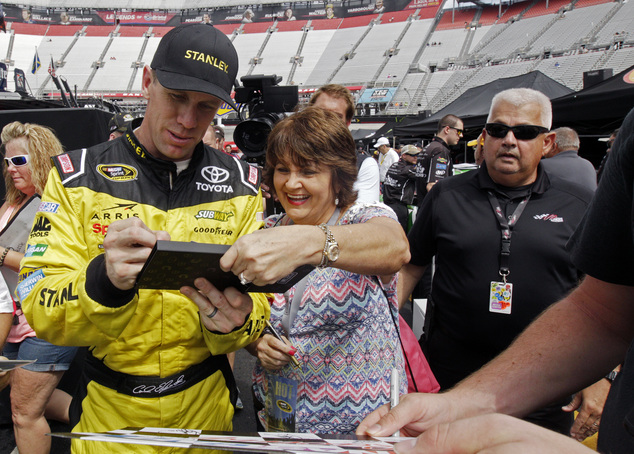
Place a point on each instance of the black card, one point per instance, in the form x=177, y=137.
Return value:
x=173, y=264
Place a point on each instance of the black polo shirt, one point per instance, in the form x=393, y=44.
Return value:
x=456, y=223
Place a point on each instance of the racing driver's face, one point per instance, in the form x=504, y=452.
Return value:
x=175, y=121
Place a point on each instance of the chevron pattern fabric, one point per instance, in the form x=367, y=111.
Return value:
x=347, y=343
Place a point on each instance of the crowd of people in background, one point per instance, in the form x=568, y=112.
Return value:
x=371, y=222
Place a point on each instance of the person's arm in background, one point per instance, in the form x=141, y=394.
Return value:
x=12, y=259
x=589, y=402
x=6, y=320
x=408, y=277
x=573, y=344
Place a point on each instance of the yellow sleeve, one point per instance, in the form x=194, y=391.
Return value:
x=54, y=274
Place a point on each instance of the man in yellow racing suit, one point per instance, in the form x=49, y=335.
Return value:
x=157, y=358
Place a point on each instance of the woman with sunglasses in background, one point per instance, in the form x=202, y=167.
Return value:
x=27, y=150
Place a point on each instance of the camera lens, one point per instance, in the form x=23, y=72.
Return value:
x=250, y=135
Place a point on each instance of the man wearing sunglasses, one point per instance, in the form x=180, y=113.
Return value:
x=498, y=235
x=434, y=163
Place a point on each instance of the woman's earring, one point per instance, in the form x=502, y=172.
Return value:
x=336, y=201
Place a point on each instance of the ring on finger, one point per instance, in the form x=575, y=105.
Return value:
x=595, y=424
x=213, y=313
x=243, y=280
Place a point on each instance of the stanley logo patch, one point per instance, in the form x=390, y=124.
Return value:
x=117, y=172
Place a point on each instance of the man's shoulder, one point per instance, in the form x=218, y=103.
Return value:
x=566, y=188
x=368, y=161
x=435, y=146
x=369, y=167
x=229, y=168
x=397, y=166
x=75, y=163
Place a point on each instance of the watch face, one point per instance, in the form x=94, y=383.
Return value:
x=333, y=252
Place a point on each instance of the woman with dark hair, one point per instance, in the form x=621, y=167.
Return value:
x=288, y=14
x=341, y=318
x=28, y=149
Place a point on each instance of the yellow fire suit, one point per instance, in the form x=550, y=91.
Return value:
x=140, y=337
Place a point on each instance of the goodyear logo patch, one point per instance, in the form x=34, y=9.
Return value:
x=214, y=215
x=117, y=172
x=208, y=59
x=24, y=288
x=36, y=250
x=48, y=207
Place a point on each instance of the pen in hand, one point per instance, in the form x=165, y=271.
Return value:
x=280, y=338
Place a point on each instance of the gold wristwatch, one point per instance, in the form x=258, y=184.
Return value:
x=330, y=253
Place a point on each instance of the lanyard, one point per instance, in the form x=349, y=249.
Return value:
x=506, y=228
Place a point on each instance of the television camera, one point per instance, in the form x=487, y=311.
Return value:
x=266, y=103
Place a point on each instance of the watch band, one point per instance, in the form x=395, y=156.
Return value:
x=330, y=239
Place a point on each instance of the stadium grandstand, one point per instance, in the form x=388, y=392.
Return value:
x=406, y=58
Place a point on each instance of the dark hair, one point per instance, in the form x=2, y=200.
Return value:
x=315, y=136
x=338, y=92
x=447, y=120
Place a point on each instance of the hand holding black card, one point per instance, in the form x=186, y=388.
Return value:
x=173, y=264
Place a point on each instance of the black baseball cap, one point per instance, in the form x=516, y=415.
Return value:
x=119, y=122
x=197, y=57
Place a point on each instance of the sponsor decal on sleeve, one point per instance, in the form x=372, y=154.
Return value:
x=65, y=163
x=253, y=175
x=41, y=228
x=53, y=297
x=24, y=288
x=48, y=207
x=36, y=250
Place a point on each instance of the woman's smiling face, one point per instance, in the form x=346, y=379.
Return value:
x=305, y=192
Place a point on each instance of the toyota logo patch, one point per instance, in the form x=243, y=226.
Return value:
x=214, y=174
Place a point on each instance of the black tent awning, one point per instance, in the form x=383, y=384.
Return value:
x=473, y=105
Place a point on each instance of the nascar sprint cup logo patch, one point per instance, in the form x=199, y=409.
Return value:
x=117, y=172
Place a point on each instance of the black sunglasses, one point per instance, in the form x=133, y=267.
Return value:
x=17, y=161
x=459, y=131
x=521, y=132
